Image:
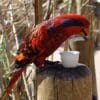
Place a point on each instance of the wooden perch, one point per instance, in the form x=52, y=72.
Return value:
x=58, y=83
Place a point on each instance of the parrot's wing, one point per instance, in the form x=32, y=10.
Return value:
x=13, y=80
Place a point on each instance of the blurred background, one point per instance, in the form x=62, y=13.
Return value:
x=18, y=16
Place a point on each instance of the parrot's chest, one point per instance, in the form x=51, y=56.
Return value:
x=50, y=42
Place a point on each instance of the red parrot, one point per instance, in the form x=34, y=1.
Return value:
x=44, y=39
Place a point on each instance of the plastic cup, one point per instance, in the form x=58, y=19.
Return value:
x=70, y=59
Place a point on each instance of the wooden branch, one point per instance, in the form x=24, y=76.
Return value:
x=26, y=87
x=5, y=35
x=28, y=75
x=13, y=25
x=1, y=39
x=38, y=11
x=69, y=6
x=47, y=15
x=78, y=4
x=27, y=17
x=85, y=4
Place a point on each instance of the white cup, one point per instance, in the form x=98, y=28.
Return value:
x=70, y=58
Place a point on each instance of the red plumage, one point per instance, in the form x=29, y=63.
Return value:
x=44, y=39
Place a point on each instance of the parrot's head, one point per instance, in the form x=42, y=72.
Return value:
x=77, y=25
x=25, y=55
x=73, y=25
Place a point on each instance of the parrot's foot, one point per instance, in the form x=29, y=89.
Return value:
x=48, y=62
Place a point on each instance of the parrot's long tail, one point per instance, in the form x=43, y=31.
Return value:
x=13, y=80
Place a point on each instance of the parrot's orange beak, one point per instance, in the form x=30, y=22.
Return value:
x=20, y=57
x=84, y=33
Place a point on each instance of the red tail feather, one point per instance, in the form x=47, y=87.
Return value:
x=13, y=80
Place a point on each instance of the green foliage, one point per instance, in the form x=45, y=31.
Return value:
x=3, y=60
